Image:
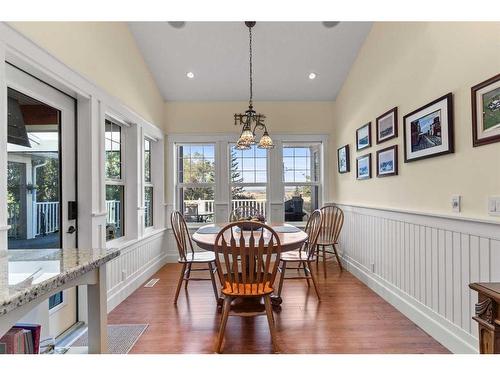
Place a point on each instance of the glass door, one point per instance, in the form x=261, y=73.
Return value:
x=41, y=178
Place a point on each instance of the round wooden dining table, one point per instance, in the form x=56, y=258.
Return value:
x=291, y=238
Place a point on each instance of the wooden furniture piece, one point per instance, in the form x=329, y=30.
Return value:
x=249, y=270
x=243, y=212
x=188, y=257
x=333, y=220
x=488, y=316
x=304, y=256
x=76, y=267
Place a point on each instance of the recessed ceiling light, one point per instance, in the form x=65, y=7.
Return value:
x=190, y=74
x=312, y=75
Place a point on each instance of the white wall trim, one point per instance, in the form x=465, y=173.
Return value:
x=440, y=329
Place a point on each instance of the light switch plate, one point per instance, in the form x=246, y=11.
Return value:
x=455, y=203
x=494, y=206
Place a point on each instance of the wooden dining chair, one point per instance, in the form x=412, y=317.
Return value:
x=333, y=220
x=250, y=271
x=188, y=257
x=304, y=256
x=243, y=213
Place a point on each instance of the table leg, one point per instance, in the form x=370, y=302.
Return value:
x=97, y=314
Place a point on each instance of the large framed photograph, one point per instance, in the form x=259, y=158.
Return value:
x=428, y=131
x=486, y=112
x=364, y=167
x=364, y=136
x=387, y=125
x=343, y=162
x=387, y=161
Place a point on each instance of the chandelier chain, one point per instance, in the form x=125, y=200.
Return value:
x=251, y=67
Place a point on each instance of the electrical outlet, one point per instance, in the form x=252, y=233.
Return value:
x=494, y=206
x=124, y=275
x=455, y=203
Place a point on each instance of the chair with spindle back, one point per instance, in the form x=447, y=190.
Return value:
x=250, y=270
x=333, y=220
x=243, y=213
x=188, y=257
x=305, y=255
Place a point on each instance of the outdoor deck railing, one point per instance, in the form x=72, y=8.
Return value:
x=207, y=206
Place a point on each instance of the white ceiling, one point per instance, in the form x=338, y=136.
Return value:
x=217, y=53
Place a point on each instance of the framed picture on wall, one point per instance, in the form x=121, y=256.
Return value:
x=343, y=162
x=387, y=161
x=387, y=125
x=428, y=131
x=364, y=136
x=486, y=112
x=364, y=167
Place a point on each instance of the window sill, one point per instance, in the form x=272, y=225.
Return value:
x=122, y=243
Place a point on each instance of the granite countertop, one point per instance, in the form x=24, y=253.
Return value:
x=28, y=274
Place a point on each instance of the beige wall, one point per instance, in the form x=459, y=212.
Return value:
x=408, y=65
x=105, y=53
x=217, y=117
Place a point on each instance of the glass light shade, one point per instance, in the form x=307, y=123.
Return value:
x=247, y=136
x=266, y=142
x=241, y=145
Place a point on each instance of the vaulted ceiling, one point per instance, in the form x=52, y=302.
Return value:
x=285, y=53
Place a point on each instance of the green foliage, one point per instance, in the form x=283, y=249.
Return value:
x=47, y=179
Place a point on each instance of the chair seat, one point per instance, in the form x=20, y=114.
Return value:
x=295, y=256
x=198, y=257
x=324, y=241
x=244, y=290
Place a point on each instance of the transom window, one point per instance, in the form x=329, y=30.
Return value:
x=115, y=184
x=196, y=181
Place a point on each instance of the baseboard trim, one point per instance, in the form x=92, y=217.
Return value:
x=453, y=338
x=125, y=290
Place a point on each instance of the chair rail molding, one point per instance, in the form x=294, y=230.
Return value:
x=423, y=264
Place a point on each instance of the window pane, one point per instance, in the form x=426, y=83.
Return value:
x=147, y=160
x=196, y=163
x=254, y=196
x=248, y=166
x=197, y=204
x=112, y=144
x=114, y=211
x=301, y=163
x=148, y=206
x=300, y=201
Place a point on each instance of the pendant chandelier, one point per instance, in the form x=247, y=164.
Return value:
x=250, y=120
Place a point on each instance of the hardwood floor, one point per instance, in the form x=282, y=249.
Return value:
x=350, y=319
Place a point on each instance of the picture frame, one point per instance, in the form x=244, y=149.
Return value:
x=428, y=131
x=364, y=167
x=387, y=161
x=343, y=162
x=386, y=125
x=485, y=101
x=364, y=136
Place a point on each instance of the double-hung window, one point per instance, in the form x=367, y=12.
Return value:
x=248, y=178
x=301, y=177
x=195, y=181
x=115, y=183
x=148, y=185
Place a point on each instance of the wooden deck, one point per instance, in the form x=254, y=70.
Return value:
x=350, y=319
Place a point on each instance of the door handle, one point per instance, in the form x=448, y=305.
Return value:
x=71, y=230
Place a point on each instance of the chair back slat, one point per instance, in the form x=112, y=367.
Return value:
x=333, y=220
x=251, y=260
x=181, y=234
x=313, y=230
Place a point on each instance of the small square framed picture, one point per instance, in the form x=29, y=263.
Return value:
x=387, y=125
x=428, y=131
x=343, y=162
x=364, y=167
x=387, y=161
x=364, y=137
x=486, y=112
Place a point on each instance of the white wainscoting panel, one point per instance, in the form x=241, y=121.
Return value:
x=423, y=266
x=134, y=266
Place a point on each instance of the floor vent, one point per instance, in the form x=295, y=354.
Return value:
x=151, y=283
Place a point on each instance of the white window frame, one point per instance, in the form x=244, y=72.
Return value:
x=183, y=185
x=275, y=184
x=150, y=183
x=117, y=182
x=317, y=183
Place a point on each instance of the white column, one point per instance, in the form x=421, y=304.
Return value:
x=3, y=153
x=223, y=189
x=275, y=184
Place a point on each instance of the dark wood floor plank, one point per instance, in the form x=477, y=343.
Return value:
x=351, y=318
